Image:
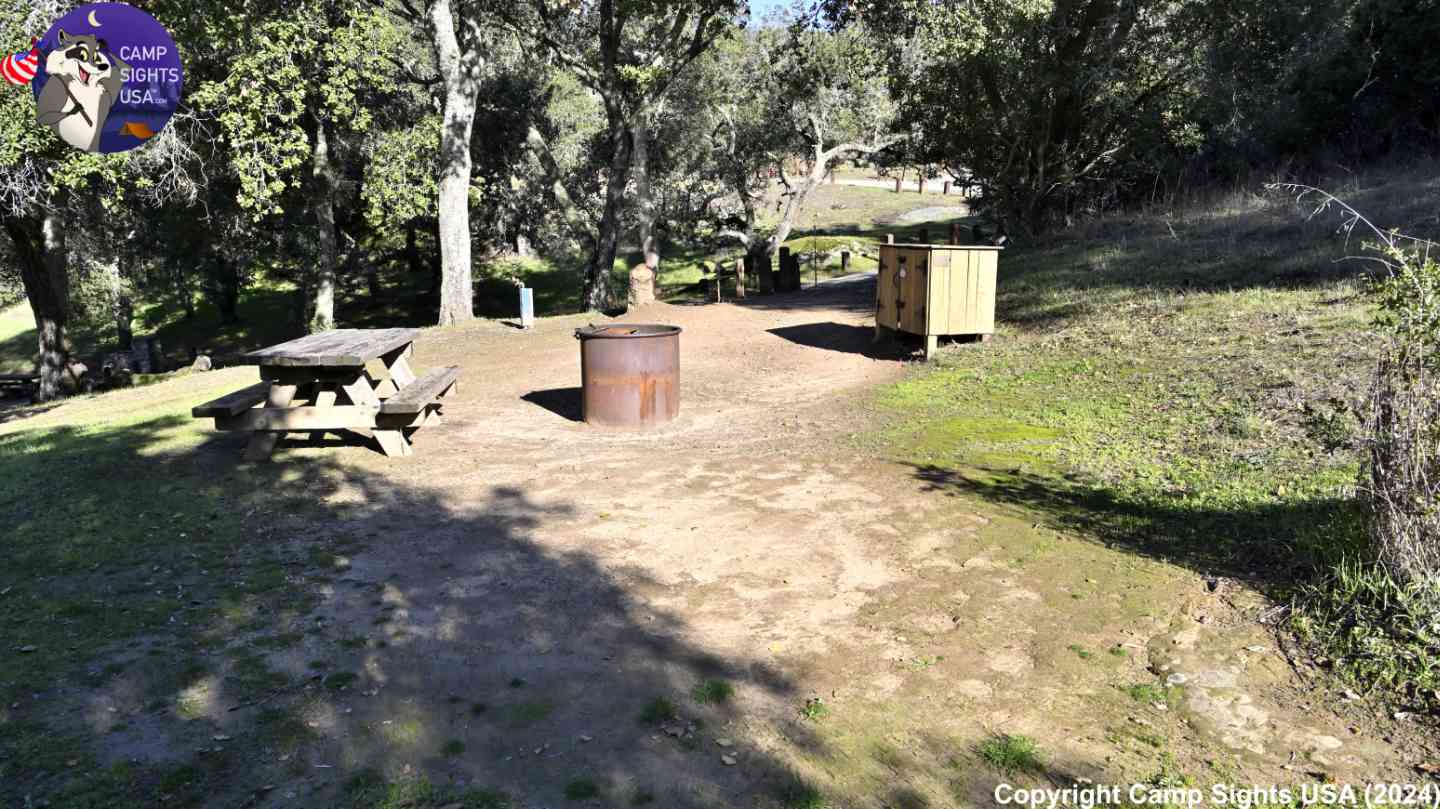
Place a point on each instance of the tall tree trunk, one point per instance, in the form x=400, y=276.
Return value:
x=412, y=248
x=180, y=283
x=122, y=306
x=598, y=295
x=459, y=73
x=645, y=209
x=323, y=318
x=226, y=282
x=794, y=205
x=40, y=248
x=372, y=277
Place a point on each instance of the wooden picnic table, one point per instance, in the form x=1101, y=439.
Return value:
x=324, y=383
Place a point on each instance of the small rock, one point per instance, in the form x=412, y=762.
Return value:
x=28, y=649
x=729, y=760
x=1257, y=649
x=724, y=742
x=584, y=738
x=202, y=363
x=1351, y=695
x=1176, y=679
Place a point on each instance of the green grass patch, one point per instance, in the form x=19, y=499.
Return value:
x=581, y=789
x=800, y=794
x=524, y=714
x=1153, y=693
x=18, y=340
x=814, y=709
x=658, y=710
x=712, y=692
x=371, y=790
x=341, y=680
x=1011, y=754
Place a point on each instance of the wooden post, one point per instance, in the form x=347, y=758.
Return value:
x=946, y=191
x=767, y=274
x=740, y=279
x=955, y=237
x=844, y=262
x=783, y=285
x=920, y=183
x=897, y=185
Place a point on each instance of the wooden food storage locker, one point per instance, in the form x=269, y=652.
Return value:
x=934, y=289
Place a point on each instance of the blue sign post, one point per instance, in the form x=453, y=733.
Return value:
x=527, y=308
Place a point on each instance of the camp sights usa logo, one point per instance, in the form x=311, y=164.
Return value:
x=106, y=77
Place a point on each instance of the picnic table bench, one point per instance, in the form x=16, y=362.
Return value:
x=324, y=383
x=24, y=384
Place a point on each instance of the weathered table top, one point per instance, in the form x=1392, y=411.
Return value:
x=338, y=348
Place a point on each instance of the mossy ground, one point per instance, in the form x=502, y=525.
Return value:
x=1178, y=385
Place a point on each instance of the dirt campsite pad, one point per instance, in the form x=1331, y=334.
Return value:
x=747, y=607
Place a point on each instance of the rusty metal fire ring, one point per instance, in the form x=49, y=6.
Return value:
x=630, y=374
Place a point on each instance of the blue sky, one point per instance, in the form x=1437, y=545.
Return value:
x=760, y=8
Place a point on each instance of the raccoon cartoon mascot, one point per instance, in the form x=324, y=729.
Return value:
x=84, y=82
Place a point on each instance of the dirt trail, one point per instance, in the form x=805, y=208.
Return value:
x=528, y=585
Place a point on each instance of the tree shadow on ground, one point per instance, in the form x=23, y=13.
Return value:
x=330, y=630
x=852, y=293
x=563, y=402
x=14, y=408
x=324, y=620
x=847, y=339
x=1271, y=547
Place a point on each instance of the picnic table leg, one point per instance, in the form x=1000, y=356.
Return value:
x=362, y=392
x=397, y=363
x=263, y=443
x=325, y=396
x=394, y=443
